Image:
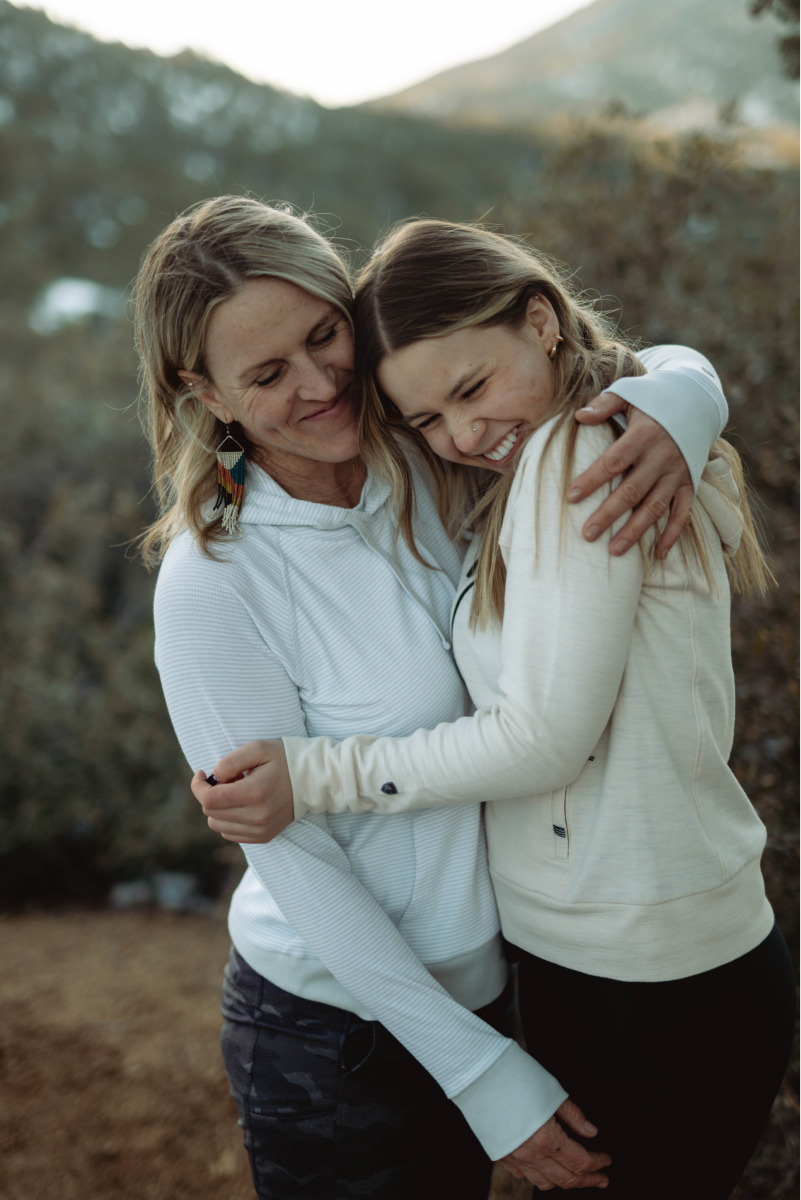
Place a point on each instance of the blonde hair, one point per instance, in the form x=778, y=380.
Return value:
x=431, y=278
x=199, y=261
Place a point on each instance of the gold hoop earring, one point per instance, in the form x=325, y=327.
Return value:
x=554, y=347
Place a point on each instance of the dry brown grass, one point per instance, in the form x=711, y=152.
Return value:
x=111, y=1082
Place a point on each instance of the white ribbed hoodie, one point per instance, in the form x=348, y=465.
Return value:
x=316, y=622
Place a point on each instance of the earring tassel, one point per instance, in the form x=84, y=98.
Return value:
x=230, y=483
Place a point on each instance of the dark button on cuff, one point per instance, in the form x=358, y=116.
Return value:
x=389, y=789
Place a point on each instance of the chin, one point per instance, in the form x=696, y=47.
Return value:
x=338, y=450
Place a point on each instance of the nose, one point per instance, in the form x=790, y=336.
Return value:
x=467, y=434
x=317, y=380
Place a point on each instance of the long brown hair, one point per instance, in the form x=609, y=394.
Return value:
x=431, y=278
x=199, y=261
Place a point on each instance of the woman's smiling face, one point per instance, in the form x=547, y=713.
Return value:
x=281, y=364
x=473, y=393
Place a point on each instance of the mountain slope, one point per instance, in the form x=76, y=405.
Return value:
x=101, y=145
x=646, y=55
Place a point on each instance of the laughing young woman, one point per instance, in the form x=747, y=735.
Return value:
x=624, y=855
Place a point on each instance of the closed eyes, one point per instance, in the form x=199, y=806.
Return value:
x=270, y=379
x=324, y=339
x=468, y=395
x=472, y=391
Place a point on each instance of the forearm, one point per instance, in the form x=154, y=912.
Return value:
x=504, y=1094
x=561, y=673
x=307, y=873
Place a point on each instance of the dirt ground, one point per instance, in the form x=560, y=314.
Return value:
x=111, y=1083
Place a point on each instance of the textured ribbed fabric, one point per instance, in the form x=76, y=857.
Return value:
x=317, y=622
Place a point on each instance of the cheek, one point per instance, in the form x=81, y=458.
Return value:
x=442, y=444
x=339, y=355
x=345, y=353
x=264, y=412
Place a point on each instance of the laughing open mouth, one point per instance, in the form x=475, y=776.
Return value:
x=503, y=448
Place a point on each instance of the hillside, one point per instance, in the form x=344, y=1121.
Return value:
x=101, y=145
x=652, y=58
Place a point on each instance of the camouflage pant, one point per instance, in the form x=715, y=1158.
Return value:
x=334, y=1107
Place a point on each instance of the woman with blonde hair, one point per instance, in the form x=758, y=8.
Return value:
x=654, y=983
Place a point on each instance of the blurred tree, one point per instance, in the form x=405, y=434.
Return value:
x=786, y=11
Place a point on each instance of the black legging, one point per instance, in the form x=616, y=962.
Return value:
x=679, y=1076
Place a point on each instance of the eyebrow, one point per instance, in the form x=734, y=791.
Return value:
x=457, y=387
x=256, y=367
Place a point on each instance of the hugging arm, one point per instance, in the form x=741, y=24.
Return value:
x=525, y=743
x=681, y=397
x=557, y=687
x=504, y=1094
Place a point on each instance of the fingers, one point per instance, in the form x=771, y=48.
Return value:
x=238, y=820
x=251, y=755
x=570, y=1114
x=613, y=462
x=644, y=444
x=221, y=797
x=550, y=1157
x=546, y=1177
x=652, y=508
x=244, y=831
x=680, y=513
x=658, y=481
x=587, y=1181
x=573, y=1158
x=601, y=409
x=634, y=489
x=212, y=797
x=200, y=787
x=566, y=1180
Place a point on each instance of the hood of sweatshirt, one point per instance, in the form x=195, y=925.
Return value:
x=719, y=495
x=266, y=503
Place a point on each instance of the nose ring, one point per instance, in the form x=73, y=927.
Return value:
x=474, y=429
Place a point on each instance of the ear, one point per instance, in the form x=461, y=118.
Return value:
x=205, y=393
x=542, y=321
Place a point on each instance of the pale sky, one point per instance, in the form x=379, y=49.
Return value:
x=339, y=53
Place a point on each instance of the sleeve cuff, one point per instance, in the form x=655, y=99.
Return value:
x=682, y=392
x=681, y=406
x=510, y=1101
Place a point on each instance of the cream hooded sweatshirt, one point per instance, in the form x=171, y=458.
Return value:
x=620, y=843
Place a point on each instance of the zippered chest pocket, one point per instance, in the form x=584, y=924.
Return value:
x=561, y=832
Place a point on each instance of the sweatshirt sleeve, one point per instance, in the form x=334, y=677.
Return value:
x=224, y=686
x=683, y=393
x=562, y=663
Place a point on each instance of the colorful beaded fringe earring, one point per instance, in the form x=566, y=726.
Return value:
x=230, y=481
